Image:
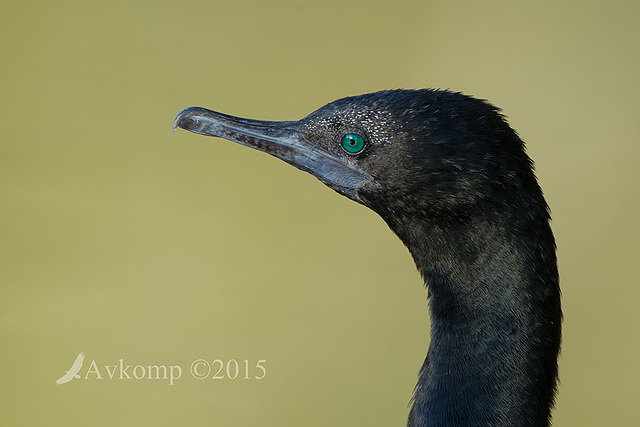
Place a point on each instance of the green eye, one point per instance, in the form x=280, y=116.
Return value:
x=353, y=143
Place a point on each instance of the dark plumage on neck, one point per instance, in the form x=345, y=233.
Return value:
x=495, y=328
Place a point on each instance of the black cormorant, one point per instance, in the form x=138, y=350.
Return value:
x=451, y=178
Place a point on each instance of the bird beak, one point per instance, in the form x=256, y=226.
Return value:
x=280, y=139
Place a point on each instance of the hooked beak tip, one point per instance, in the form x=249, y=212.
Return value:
x=182, y=117
x=177, y=120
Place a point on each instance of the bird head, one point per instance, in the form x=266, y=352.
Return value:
x=403, y=153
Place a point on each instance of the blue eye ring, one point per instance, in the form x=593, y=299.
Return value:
x=353, y=143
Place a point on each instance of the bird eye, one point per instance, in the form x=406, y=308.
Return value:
x=353, y=143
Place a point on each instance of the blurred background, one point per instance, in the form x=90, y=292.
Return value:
x=123, y=240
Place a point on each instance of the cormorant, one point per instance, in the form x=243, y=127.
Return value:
x=451, y=178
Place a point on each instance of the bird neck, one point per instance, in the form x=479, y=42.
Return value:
x=495, y=324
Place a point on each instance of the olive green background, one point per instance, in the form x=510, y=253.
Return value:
x=124, y=240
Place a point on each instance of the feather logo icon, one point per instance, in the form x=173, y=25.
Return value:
x=73, y=371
